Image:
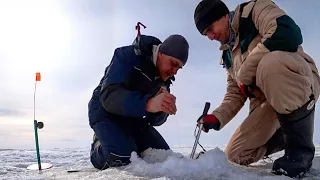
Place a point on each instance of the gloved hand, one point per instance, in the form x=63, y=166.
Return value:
x=246, y=90
x=209, y=121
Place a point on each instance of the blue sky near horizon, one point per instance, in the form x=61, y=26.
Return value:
x=71, y=42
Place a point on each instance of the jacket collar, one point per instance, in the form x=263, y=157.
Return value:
x=232, y=32
x=235, y=23
x=155, y=51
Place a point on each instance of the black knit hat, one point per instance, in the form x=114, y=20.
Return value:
x=207, y=12
x=176, y=46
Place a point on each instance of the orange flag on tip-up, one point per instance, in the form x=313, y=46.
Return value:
x=38, y=76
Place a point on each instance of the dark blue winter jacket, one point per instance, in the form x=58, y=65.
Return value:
x=128, y=82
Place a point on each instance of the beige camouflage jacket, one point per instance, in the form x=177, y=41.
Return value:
x=260, y=27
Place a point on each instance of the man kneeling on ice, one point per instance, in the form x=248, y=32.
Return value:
x=132, y=97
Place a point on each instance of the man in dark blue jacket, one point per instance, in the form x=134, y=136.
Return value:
x=132, y=97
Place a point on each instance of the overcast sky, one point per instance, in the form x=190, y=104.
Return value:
x=71, y=42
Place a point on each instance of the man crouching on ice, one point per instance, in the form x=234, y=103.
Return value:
x=132, y=97
x=265, y=62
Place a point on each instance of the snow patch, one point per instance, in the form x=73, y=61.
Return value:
x=153, y=164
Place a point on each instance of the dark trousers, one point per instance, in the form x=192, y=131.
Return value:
x=114, y=142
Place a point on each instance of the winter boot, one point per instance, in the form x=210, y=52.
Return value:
x=297, y=128
x=275, y=143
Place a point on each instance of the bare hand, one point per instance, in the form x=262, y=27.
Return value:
x=163, y=101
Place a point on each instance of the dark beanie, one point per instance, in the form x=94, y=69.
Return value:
x=207, y=12
x=176, y=46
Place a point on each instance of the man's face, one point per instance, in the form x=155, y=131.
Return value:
x=167, y=66
x=218, y=30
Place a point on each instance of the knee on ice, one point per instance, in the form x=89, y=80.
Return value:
x=109, y=160
x=237, y=157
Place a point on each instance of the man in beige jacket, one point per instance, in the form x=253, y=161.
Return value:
x=265, y=63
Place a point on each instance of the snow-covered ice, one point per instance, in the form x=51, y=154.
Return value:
x=155, y=164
